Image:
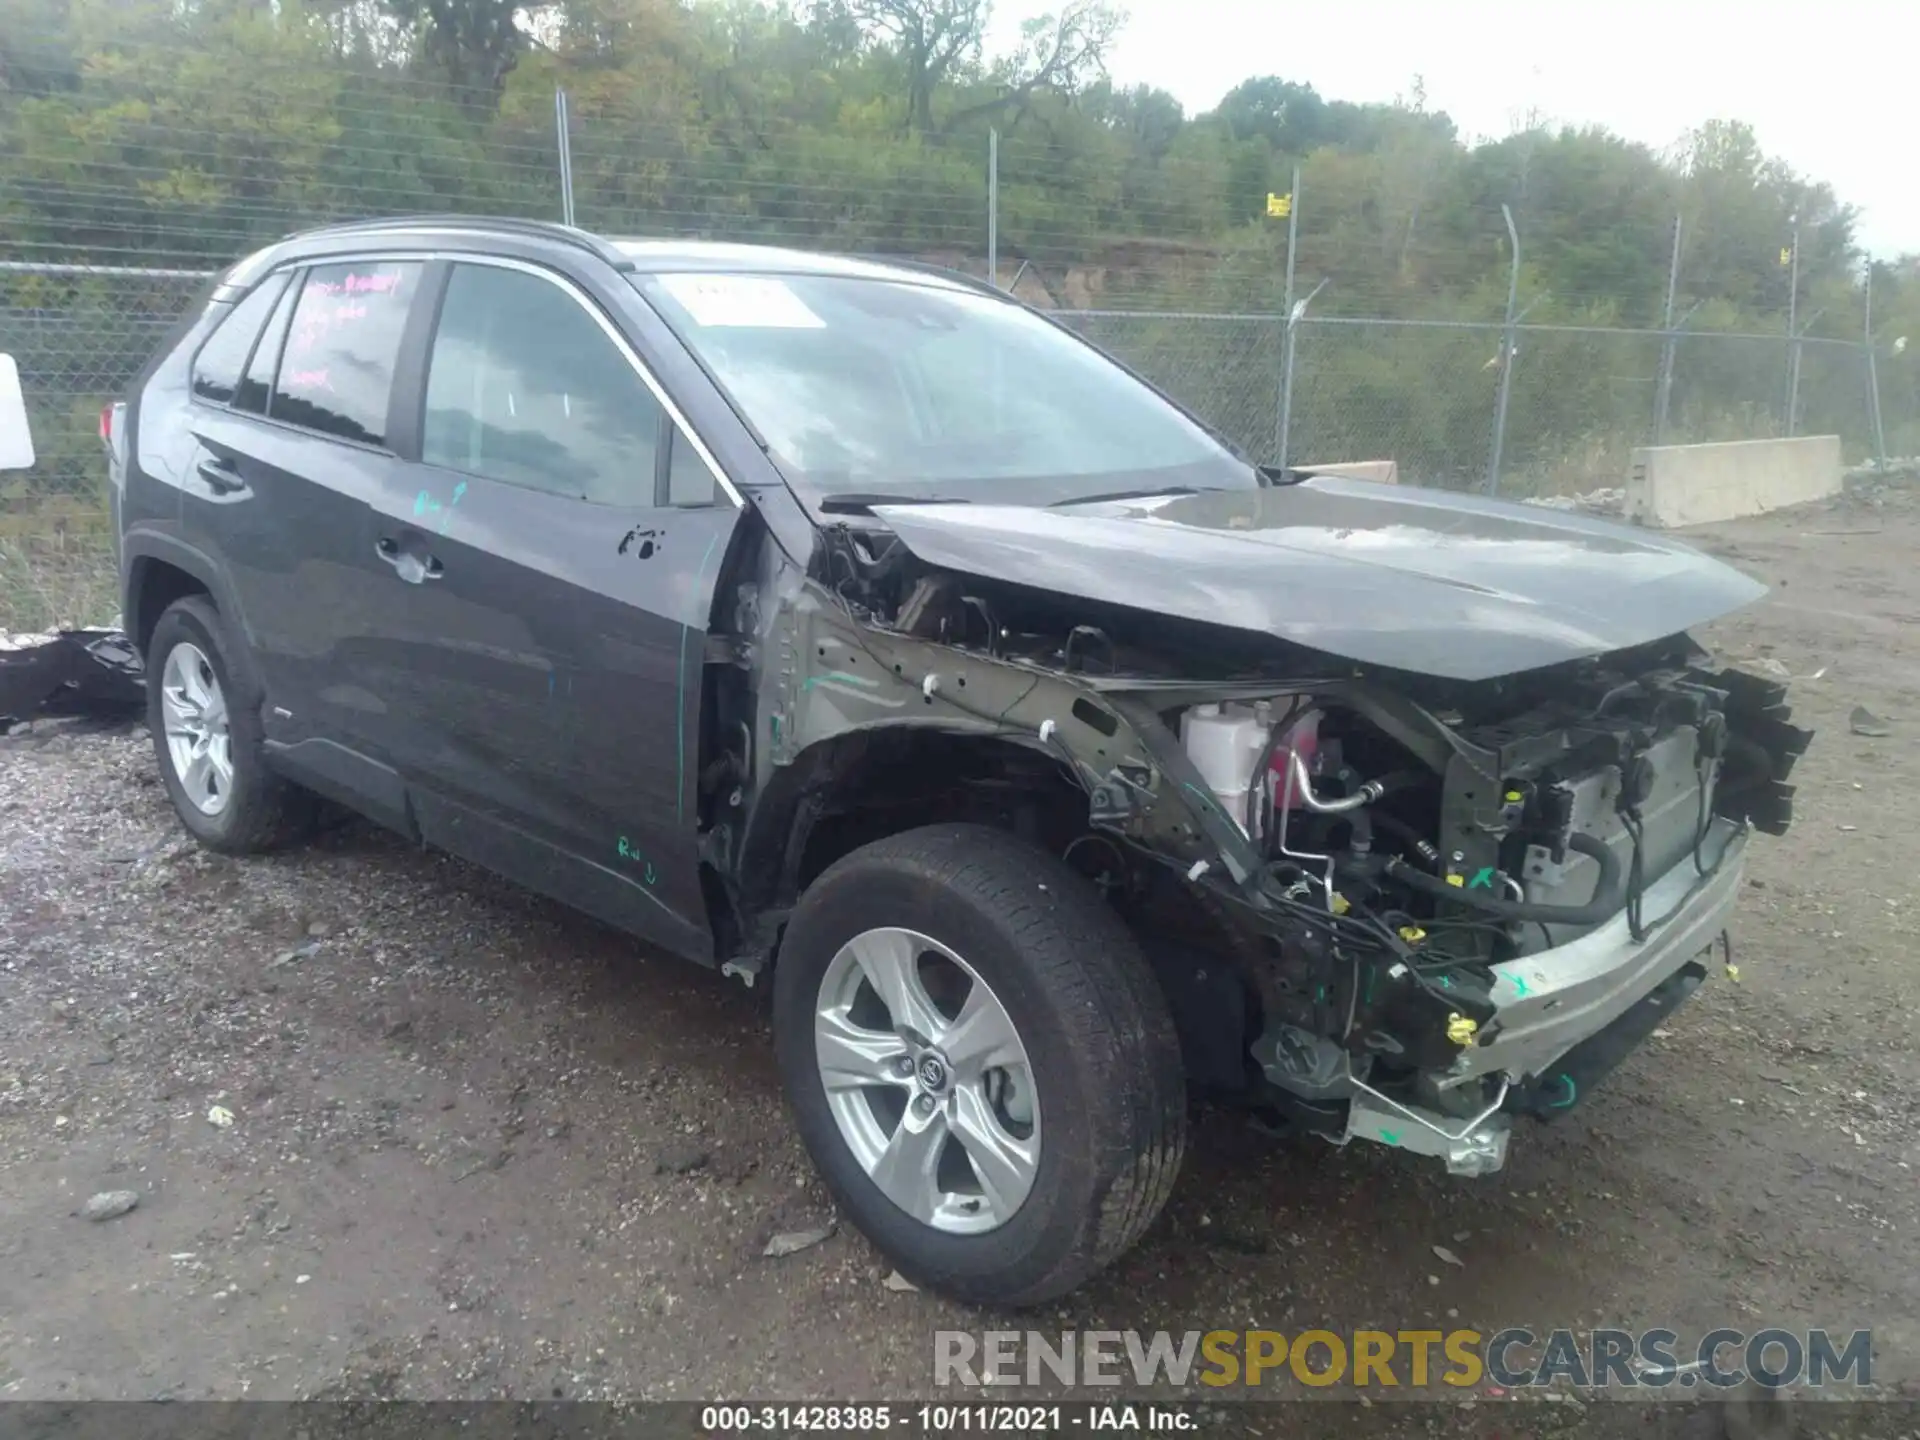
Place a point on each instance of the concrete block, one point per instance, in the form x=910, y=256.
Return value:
x=1674, y=485
x=1381, y=472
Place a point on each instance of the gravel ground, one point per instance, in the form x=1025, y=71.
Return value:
x=398, y=1130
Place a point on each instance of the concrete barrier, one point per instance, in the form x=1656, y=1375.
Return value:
x=1383, y=472
x=1672, y=485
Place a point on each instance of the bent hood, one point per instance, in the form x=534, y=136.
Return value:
x=1425, y=581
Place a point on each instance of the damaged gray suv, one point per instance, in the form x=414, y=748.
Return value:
x=854, y=627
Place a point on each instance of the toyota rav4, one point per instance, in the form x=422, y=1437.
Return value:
x=857, y=628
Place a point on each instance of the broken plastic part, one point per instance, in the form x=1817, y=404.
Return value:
x=1477, y=1146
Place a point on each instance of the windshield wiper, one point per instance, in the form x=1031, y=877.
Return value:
x=861, y=502
x=1146, y=494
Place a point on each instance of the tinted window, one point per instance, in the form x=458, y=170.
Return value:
x=258, y=383
x=216, y=371
x=337, y=371
x=525, y=387
x=689, y=481
x=869, y=384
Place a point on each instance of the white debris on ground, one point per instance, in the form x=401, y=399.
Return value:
x=26, y=640
x=1594, y=502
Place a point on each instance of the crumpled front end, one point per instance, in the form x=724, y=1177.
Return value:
x=1383, y=905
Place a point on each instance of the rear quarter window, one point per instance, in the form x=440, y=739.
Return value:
x=257, y=385
x=336, y=372
x=223, y=358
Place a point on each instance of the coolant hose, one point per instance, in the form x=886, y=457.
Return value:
x=1414, y=840
x=1609, y=891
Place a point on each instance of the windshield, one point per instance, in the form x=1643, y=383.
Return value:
x=893, y=388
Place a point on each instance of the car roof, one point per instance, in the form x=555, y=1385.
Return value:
x=721, y=257
x=633, y=255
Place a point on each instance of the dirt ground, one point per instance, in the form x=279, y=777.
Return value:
x=482, y=1148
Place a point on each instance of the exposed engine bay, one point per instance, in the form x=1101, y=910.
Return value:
x=1383, y=905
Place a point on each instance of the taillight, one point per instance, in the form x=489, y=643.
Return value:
x=106, y=423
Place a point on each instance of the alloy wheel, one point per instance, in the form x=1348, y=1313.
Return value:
x=928, y=1081
x=199, y=742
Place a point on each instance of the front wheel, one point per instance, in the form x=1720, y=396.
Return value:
x=980, y=1062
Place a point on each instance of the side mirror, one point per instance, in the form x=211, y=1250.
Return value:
x=16, y=441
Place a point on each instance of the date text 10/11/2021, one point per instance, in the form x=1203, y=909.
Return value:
x=921, y=1419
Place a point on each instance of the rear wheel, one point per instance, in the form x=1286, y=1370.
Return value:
x=204, y=712
x=980, y=1062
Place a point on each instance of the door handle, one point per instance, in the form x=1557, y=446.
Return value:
x=410, y=565
x=221, y=477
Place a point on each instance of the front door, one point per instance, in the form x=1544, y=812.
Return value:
x=551, y=565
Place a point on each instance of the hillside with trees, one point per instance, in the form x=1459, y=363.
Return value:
x=173, y=134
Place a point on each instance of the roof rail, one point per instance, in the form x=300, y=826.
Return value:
x=944, y=272
x=480, y=224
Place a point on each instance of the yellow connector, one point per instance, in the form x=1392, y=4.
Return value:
x=1461, y=1029
x=1340, y=903
x=1514, y=797
x=1456, y=880
x=1412, y=934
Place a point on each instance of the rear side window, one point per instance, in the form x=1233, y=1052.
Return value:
x=217, y=368
x=257, y=384
x=525, y=387
x=336, y=373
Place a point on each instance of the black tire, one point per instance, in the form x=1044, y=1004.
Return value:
x=1095, y=1025
x=263, y=811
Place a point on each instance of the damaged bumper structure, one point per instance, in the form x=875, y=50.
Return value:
x=1425, y=838
x=67, y=672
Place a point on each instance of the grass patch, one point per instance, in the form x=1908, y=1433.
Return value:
x=56, y=569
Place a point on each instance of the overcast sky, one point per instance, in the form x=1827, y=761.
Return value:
x=1827, y=86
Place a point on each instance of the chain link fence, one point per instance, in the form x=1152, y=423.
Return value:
x=1304, y=331
x=78, y=334
x=1424, y=394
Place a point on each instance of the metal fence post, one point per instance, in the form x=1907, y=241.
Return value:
x=1668, y=360
x=1663, y=386
x=564, y=137
x=1294, y=317
x=1793, y=334
x=1283, y=422
x=993, y=208
x=1873, y=376
x=1506, y=356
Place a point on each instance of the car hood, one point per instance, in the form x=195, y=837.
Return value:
x=1425, y=581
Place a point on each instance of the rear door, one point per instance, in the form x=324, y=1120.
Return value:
x=550, y=566
x=290, y=445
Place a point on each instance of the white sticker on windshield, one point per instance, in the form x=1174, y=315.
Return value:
x=741, y=301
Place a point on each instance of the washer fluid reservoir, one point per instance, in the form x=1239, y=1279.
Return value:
x=1224, y=742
